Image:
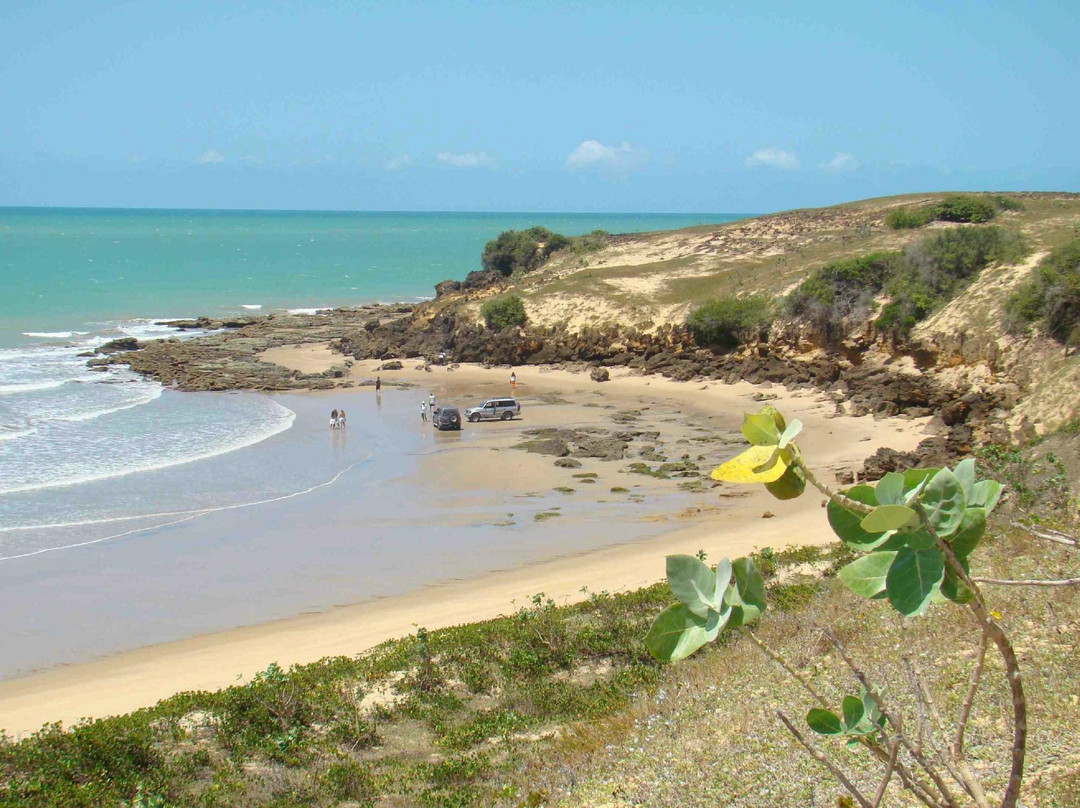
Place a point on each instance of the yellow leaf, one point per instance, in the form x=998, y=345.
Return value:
x=744, y=468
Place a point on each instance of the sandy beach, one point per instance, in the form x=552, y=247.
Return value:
x=489, y=483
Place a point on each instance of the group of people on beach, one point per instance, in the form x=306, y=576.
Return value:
x=337, y=419
x=427, y=407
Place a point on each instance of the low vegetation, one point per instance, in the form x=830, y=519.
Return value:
x=1051, y=298
x=728, y=322
x=503, y=312
x=916, y=282
x=961, y=208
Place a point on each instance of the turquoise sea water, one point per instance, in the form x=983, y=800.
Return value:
x=80, y=270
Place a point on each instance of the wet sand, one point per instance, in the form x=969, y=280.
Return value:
x=455, y=537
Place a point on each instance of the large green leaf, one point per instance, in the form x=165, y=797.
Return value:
x=889, y=517
x=985, y=494
x=890, y=489
x=865, y=575
x=774, y=413
x=791, y=485
x=913, y=578
x=760, y=429
x=919, y=539
x=747, y=597
x=846, y=523
x=969, y=534
x=944, y=501
x=695, y=585
x=824, y=722
x=965, y=475
x=677, y=632
x=853, y=712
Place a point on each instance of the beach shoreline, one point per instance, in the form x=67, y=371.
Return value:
x=128, y=680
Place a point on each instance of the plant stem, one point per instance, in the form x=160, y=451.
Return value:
x=820, y=757
x=835, y=496
x=1008, y=655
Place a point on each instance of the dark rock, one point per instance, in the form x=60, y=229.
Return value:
x=546, y=446
x=600, y=375
x=885, y=460
x=121, y=344
x=568, y=463
x=768, y=515
x=444, y=288
x=610, y=448
x=954, y=411
x=392, y=365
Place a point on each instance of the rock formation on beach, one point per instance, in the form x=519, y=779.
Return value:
x=625, y=302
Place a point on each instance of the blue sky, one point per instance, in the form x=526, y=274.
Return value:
x=534, y=106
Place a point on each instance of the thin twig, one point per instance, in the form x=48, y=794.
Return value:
x=890, y=766
x=1009, y=582
x=956, y=765
x=799, y=676
x=919, y=788
x=1049, y=534
x=1008, y=655
x=894, y=722
x=835, y=496
x=820, y=757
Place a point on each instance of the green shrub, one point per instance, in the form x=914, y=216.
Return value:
x=843, y=290
x=908, y=218
x=964, y=208
x=503, y=312
x=523, y=250
x=935, y=268
x=961, y=208
x=1052, y=297
x=1007, y=202
x=729, y=321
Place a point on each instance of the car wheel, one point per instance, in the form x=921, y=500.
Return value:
x=474, y=417
x=506, y=416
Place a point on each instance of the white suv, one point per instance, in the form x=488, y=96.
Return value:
x=494, y=409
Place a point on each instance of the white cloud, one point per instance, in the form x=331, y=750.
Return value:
x=594, y=154
x=210, y=157
x=466, y=160
x=398, y=163
x=773, y=158
x=841, y=162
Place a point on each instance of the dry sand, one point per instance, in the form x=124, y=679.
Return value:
x=140, y=678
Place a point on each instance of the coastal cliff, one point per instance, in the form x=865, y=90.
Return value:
x=625, y=299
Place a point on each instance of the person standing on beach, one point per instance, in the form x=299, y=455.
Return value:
x=378, y=384
x=341, y=419
x=513, y=378
x=333, y=419
x=431, y=403
x=423, y=410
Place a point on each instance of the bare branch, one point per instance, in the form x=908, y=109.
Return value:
x=1011, y=582
x=1049, y=534
x=820, y=757
x=840, y=499
x=894, y=722
x=799, y=676
x=957, y=748
x=890, y=766
x=1008, y=655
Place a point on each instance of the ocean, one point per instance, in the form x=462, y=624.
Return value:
x=89, y=457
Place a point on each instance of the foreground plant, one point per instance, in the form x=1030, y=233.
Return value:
x=915, y=531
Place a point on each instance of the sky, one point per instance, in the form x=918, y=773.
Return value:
x=532, y=106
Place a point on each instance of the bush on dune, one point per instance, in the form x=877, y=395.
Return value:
x=503, y=312
x=728, y=322
x=1052, y=297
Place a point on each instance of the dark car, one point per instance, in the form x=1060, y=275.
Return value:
x=446, y=418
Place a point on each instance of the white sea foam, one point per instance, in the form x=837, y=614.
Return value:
x=124, y=463
x=54, y=334
x=318, y=310
x=29, y=387
x=11, y=433
x=251, y=305
x=151, y=393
